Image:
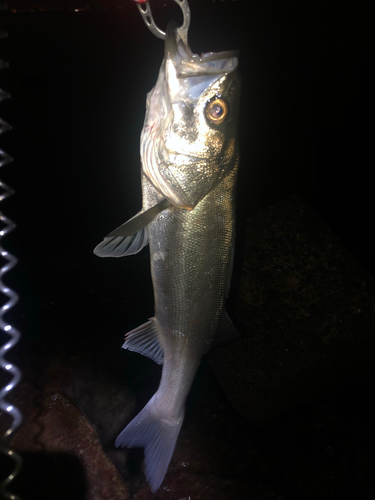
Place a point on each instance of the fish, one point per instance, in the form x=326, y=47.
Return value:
x=190, y=158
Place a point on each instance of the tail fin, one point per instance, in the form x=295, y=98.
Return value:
x=157, y=437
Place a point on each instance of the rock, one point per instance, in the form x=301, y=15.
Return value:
x=306, y=311
x=61, y=453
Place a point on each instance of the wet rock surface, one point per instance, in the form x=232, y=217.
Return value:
x=61, y=453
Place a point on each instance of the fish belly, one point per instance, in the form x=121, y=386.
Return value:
x=191, y=253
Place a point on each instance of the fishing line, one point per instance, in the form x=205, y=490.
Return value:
x=14, y=335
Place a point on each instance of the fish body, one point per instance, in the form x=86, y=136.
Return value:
x=190, y=158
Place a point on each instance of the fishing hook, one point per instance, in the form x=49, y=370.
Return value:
x=145, y=10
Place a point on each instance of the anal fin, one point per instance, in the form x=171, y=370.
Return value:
x=144, y=340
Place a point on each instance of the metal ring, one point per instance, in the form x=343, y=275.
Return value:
x=145, y=11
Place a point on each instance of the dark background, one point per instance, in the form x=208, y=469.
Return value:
x=78, y=81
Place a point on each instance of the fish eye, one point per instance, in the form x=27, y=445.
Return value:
x=217, y=111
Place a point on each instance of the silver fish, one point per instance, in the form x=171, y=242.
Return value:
x=190, y=158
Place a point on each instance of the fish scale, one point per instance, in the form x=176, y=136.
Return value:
x=190, y=159
x=189, y=240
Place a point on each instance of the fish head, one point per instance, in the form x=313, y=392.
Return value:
x=189, y=138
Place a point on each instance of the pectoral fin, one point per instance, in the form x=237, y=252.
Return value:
x=130, y=237
x=140, y=221
x=119, y=246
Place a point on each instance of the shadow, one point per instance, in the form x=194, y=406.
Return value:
x=135, y=477
x=47, y=476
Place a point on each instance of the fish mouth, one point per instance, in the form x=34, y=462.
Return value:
x=173, y=42
x=189, y=64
